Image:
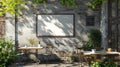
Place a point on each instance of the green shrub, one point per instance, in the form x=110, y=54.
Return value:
x=110, y=64
x=68, y=3
x=39, y=1
x=94, y=41
x=72, y=57
x=103, y=64
x=96, y=64
x=7, y=53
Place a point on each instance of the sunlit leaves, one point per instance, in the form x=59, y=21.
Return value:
x=8, y=6
x=68, y=3
x=119, y=4
x=39, y=1
x=94, y=3
x=7, y=53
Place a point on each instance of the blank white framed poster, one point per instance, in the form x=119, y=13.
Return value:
x=55, y=25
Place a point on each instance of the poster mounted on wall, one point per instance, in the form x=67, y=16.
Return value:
x=55, y=25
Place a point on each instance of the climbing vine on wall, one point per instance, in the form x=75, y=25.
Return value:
x=68, y=3
x=118, y=4
x=8, y=6
x=39, y=1
x=94, y=3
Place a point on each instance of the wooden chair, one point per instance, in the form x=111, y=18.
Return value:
x=50, y=49
x=92, y=58
x=87, y=60
x=116, y=59
x=81, y=58
x=96, y=58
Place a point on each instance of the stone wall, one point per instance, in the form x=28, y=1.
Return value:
x=27, y=24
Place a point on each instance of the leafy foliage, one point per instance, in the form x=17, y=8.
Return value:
x=8, y=6
x=68, y=3
x=72, y=57
x=7, y=53
x=31, y=41
x=96, y=64
x=94, y=39
x=118, y=4
x=103, y=64
x=39, y=1
x=110, y=64
x=95, y=3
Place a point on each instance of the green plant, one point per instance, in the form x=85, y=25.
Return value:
x=68, y=3
x=94, y=41
x=7, y=53
x=110, y=64
x=72, y=58
x=39, y=1
x=31, y=41
x=8, y=6
x=96, y=64
x=103, y=64
x=95, y=3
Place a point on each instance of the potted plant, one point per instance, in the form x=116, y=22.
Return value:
x=72, y=58
x=31, y=41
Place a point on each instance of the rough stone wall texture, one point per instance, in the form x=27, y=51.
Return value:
x=27, y=24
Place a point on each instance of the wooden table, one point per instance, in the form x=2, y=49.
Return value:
x=92, y=55
x=101, y=53
x=27, y=49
